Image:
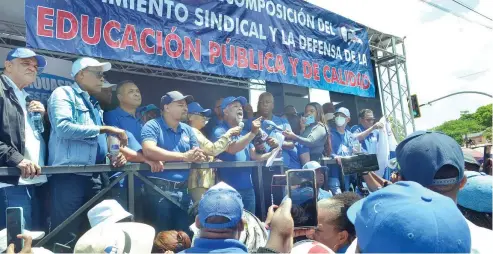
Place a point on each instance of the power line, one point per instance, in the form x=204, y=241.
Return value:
x=455, y=14
x=469, y=8
x=472, y=74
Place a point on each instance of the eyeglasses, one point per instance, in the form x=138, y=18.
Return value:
x=97, y=74
x=370, y=119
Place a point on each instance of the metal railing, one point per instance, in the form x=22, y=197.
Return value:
x=131, y=171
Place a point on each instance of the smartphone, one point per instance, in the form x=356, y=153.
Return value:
x=277, y=189
x=302, y=189
x=15, y=226
x=360, y=163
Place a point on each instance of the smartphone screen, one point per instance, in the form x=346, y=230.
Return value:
x=302, y=189
x=278, y=189
x=359, y=164
x=15, y=226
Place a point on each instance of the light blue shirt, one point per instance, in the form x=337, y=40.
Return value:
x=75, y=125
x=370, y=143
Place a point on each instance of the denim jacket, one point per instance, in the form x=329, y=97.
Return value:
x=75, y=127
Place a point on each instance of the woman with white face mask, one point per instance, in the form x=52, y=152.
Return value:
x=314, y=132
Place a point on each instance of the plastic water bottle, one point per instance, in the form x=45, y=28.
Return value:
x=37, y=121
x=113, y=147
x=356, y=145
x=35, y=118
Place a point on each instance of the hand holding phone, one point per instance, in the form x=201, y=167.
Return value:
x=15, y=227
x=302, y=189
x=28, y=241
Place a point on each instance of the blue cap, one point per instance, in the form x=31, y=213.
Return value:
x=476, y=194
x=142, y=110
x=27, y=53
x=173, y=96
x=407, y=217
x=228, y=100
x=195, y=108
x=423, y=153
x=314, y=165
x=344, y=111
x=220, y=200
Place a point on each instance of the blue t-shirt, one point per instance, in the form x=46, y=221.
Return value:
x=204, y=245
x=370, y=143
x=238, y=178
x=123, y=120
x=294, y=155
x=181, y=140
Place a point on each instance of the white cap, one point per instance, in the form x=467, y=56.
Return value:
x=117, y=238
x=35, y=235
x=107, y=84
x=108, y=211
x=85, y=62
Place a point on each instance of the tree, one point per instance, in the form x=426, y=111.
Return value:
x=397, y=129
x=487, y=134
x=478, y=121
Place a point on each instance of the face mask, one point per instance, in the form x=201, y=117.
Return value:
x=340, y=121
x=309, y=120
x=329, y=116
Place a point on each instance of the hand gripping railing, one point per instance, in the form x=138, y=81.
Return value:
x=130, y=171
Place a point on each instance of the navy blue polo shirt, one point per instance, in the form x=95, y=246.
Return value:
x=238, y=178
x=181, y=140
x=370, y=143
x=123, y=120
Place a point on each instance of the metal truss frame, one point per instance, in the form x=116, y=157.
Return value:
x=387, y=51
x=389, y=54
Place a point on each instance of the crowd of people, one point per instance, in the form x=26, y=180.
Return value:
x=199, y=215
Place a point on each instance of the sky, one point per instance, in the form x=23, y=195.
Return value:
x=441, y=49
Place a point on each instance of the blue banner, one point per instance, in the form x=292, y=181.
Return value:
x=45, y=84
x=285, y=41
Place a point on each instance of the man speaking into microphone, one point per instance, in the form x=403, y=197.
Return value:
x=240, y=149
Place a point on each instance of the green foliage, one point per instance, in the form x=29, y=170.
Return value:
x=487, y=134
x=397, y=129
x=479, y=121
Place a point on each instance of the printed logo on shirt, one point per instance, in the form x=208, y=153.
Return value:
x=186, y=139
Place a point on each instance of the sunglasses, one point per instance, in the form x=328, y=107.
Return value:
x=199, y=114
x=97, y=74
